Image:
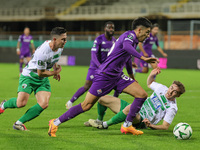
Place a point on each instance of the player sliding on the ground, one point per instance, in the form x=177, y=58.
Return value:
x=161, y=105
x=34, y=78
x=109, y=76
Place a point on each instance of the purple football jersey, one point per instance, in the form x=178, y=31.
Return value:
x=120, y=55
x=148, y=43
x=25, y=43
x=100, y=50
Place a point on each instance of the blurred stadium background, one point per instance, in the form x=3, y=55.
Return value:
x=84, y=20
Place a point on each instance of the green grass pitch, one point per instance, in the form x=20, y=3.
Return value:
x=74, y=135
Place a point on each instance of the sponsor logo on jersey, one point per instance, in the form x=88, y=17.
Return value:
x=92, y=77
x=105, y=50
x=130, y=37
x=103, y=42
x=99, y=91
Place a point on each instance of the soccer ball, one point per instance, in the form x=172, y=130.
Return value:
x=182, y=131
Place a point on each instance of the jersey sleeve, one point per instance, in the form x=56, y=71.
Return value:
x=41, y=63
x=154, y=85
x=94, y=51
x=170, y=114
x=129, y=66
x=20, y=38
x=156, y=42
x=128, y=46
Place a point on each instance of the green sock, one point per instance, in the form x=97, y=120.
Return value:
x=11, y=103
x=119, y=117
x=101, y=111
x=31, y=113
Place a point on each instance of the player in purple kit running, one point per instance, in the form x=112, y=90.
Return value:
x=146, y=50
x=99, y=52
x=110, y=76
x=24, y=52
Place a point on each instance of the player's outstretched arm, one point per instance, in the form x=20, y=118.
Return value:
x=163, y=126
x=162, y=52
x=151, y=76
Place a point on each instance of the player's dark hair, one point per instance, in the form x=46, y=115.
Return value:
x=58, y=31
x=141, y=21
x=180, y=86
x=108, y=22
x=155, y=25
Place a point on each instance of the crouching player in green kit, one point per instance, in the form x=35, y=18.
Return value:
x=35, y=78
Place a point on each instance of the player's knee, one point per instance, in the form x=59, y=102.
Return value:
x=20, y=105
x=87, y=86
x=86, y=107
x=144, y=95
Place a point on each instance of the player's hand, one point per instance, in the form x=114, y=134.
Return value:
x=58, y=69
x=150, y=59
x=155, y=71
x=57, y=77
x=147, y=122
x=165, y=54
x=18, y=52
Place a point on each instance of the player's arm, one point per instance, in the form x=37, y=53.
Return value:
x=47, y=73
x=57, y=76
x=94, y=52
x=140, y=45
x=18, y=48
x=32, y=46
x=161, y=51
x=129, y=69
x=127, y=45
x=151, y=76
x=163, y=126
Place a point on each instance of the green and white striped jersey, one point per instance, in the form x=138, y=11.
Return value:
x=43, y=59
x=157, y=107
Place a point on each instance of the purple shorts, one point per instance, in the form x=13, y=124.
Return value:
x=90, y=74
x=103, y=84
x=24, y=54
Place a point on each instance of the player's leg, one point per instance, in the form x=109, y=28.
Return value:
x=83, y=89
x=140, y=95
x=89, y=101
x=18, y=102
x=42, y=103
x=120, y=108
x=42, y=90
x=78, y=93
x=104, y=102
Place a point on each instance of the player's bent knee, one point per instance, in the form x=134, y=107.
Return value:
x=86, y=107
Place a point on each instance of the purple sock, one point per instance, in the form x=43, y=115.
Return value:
x=139, y=70
x=135, y=108
x=71, y=113
x=20, y=67
x=116, y=94
x=78, y=93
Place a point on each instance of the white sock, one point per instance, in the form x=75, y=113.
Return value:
x=127, y=123
x=69, y=103
x=18, y=122
x=57, y=122
x=105, y=125
x=2, y=106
